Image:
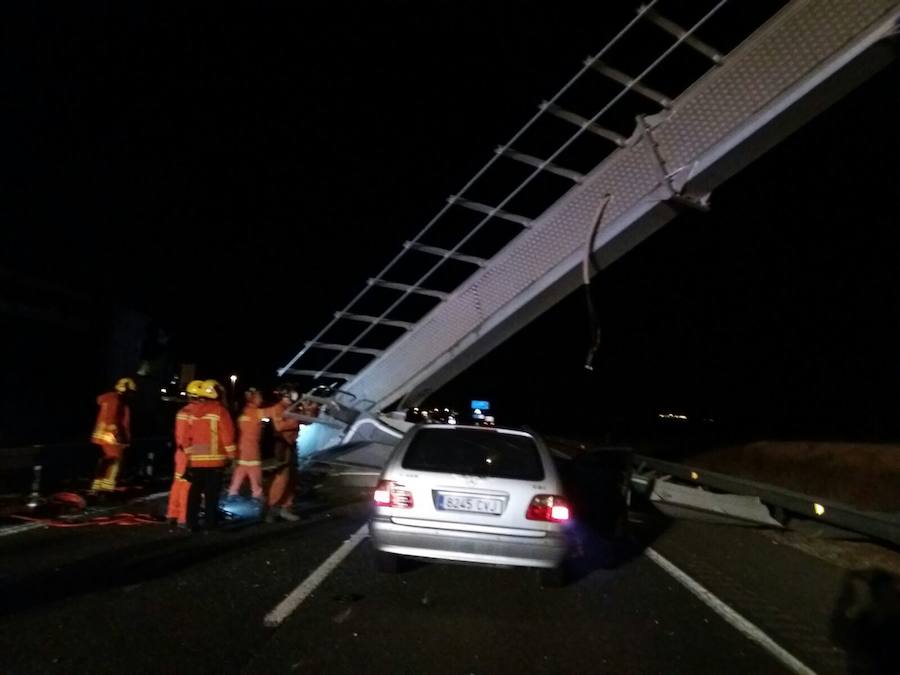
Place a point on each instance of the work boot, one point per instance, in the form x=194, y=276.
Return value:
x=288, y=515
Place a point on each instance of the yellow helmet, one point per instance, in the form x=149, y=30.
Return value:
x=195, y=388
x=211, y=389
x=125, y=384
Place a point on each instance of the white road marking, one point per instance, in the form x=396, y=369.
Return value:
x=286, y=607
x=750, y=630
x=17, y=529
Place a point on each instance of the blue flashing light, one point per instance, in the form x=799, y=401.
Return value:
x=481, y=405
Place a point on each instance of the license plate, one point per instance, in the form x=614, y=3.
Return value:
x=472, y=504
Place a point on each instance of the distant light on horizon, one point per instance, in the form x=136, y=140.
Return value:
x=672, y=416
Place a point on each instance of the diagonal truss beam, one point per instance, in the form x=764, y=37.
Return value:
x=795, y=65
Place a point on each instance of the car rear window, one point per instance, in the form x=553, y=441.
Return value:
x=475, y=453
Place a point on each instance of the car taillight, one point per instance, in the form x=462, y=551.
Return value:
x=550, y=508
x=383, y=494
x=388, y=493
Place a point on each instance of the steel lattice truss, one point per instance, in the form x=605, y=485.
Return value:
x=498, y=264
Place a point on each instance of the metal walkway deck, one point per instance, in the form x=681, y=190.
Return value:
x=798, y=62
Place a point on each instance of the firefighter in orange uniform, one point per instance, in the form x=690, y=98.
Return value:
x=249, y=457
x=287, y=430
x=112, y=433
x=209, y=446
x=178, y=495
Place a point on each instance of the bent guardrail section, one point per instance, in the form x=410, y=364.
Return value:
x=883, y=526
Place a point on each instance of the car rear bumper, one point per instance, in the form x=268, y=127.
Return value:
x=471, y=547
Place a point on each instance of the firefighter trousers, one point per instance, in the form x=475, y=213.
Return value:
x=281, y=491
x=243, y=472
x=206, y=483
x=107, y=468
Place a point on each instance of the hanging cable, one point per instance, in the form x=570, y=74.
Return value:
x=589, y=267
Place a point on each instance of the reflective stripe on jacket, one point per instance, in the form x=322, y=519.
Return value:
x=209, y=439
x=113, y=425
x=183, y=420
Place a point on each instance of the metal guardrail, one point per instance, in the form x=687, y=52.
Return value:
x=884, y=526
x=39, y=467
x=24, y=457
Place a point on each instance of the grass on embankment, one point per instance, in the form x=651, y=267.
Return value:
x=864, y=475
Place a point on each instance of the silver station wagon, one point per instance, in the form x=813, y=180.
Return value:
x=480, y=495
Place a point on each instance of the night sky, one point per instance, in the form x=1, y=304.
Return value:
x=778, y=312
x=237, y=174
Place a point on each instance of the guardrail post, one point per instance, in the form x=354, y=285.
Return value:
x=34, y=499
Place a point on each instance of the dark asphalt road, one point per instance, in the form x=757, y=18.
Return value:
x=142, y=600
